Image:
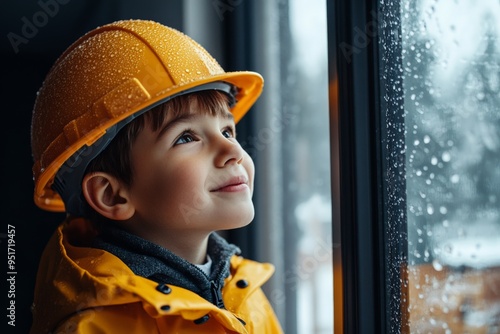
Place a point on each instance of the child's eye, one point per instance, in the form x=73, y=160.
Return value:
x=228, y=133
x=185, y=138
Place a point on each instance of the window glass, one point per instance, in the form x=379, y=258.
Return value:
x=451, y=87
x=306, y=147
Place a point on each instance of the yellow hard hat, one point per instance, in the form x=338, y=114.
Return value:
x=106, y=78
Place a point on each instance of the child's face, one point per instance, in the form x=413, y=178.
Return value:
x=191, y=175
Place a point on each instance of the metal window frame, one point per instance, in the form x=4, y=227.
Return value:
x=369, y=215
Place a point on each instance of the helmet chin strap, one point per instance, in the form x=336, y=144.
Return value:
x=68, y=179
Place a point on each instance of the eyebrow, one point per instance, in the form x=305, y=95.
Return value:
x=228, y=115
x=186, y=117
x=169, y=124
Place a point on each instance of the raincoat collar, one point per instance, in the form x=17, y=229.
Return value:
x=157, y=263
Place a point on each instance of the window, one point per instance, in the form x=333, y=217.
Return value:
x=307, y=144
x=451, y=85
x=291, y=145
x=417, y=127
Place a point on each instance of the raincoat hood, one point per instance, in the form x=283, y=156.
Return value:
x=87, y=290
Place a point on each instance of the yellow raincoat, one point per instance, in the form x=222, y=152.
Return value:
x=88, y=290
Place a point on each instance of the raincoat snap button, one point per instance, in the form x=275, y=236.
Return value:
x=163, y=288
x=202, y=320
x=242, y=283
x=165, y=308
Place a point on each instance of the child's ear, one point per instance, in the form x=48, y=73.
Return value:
x=107, y=195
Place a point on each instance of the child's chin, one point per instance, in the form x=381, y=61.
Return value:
x=240, y=221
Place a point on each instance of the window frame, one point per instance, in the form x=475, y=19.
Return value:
x=368, y=188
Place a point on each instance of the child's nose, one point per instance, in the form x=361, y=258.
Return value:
x=228, y=152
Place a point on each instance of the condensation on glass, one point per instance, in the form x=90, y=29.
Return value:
x=451, y=86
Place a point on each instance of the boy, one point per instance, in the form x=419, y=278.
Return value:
x=133, y=135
